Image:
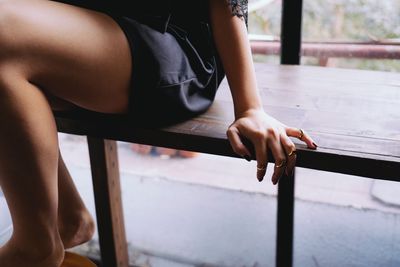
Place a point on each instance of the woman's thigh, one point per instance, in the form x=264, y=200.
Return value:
x=75, y=54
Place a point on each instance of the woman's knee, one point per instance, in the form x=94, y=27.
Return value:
x=5, y=23
x=11, y=19
x=66, y=50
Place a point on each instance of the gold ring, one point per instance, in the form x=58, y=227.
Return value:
x=292, y=152
x=301, y=133
x=281, y=164
x=261, y=168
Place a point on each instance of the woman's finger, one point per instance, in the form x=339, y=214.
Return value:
x=259, y=141
x=262, y=158
x=260, y=146
x=290, y=150
x=301, y=135
x=277, y=150
x=236, y=143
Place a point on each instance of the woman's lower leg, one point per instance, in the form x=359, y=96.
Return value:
x=28, y=173
x=75, y=223
x=64, y=51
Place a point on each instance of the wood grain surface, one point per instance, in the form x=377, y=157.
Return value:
x=353, y=115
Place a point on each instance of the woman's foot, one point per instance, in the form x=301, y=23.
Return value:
x=165, y=152
x=76, y=229
x=162, y=151
x=188, y=154
x=141, y=149
x=37, y=255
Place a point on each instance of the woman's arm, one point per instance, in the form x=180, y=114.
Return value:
x=251, y=121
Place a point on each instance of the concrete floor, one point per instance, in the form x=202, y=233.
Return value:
x=212, y=211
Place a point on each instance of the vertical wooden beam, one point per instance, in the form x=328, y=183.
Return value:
x=291, y=31
x=107, y=194
x=284, y=238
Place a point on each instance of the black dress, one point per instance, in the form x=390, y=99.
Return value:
x=176, y=68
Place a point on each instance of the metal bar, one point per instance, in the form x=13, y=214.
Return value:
x=285, y=218
x=291, y=31
x=290, y=54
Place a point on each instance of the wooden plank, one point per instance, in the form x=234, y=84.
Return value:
x=107, y=193
x=337, y=101
x=200, y=128
x=353, y=115
x=367, y=50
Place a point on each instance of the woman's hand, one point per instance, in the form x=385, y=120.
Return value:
x=265, y=132
x=251, y=122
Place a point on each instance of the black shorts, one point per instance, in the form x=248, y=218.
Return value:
x=175, y=72
x=173, y=77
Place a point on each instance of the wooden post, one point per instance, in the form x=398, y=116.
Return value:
x=107, y=194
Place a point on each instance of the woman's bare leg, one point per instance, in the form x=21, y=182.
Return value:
x=75, y=54
x=75, y=223
x=28, y=173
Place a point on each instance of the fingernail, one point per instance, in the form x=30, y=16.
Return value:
x=246, y=157
x=260, y=179
x=314, y=144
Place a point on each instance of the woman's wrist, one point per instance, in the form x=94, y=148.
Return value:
x=239, y=113
x=246, y=100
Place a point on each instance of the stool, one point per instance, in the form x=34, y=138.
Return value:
x=75, y=260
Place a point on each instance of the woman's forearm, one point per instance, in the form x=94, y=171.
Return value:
x=230, y=35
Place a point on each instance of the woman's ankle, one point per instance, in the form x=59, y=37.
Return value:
x=48, y=252
x=76, y=229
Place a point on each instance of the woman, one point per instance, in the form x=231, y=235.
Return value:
x=58, y=56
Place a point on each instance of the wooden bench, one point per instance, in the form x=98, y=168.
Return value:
x=353, y=115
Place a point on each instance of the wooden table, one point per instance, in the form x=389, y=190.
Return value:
x=353, y=115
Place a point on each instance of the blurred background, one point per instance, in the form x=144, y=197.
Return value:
x=359, y=34
x=186, y=209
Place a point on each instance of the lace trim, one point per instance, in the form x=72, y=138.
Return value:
x=239, y=8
